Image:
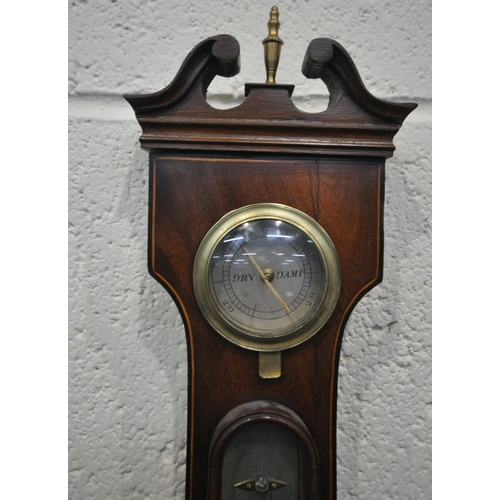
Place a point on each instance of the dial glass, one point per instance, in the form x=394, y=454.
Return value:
x=267, y=277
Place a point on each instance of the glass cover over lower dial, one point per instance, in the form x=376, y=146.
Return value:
x=267, y=277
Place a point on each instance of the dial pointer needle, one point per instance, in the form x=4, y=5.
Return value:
x=265, y=280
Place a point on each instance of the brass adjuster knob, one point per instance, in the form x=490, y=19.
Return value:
x=261, y=484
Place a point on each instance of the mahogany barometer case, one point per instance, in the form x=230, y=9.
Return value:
x=266, y=228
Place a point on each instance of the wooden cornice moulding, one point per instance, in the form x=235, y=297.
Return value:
x=328, y=60
x=354, y=123
x=217, y=55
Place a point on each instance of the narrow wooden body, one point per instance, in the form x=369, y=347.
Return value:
x=205, y=163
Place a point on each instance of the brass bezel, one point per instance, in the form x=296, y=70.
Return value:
x=266, y=211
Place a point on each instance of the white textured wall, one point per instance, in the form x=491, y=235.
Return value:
x=127, y=415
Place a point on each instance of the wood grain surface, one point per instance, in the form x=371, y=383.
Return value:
x=189, y=196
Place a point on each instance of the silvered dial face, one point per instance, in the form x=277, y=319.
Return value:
x=266, y=277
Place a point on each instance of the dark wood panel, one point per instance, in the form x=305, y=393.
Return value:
x=189, y=196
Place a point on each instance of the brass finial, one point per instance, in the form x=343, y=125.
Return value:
x=272, y=46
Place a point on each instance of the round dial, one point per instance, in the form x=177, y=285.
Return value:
x=267, y=277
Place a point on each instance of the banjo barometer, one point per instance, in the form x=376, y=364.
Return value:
x=266, y=228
